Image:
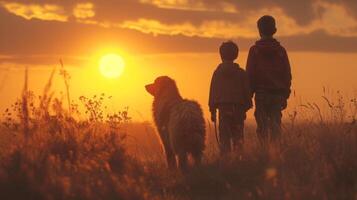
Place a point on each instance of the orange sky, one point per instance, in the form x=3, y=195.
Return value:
x=167, y=37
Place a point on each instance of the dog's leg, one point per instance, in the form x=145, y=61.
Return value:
x=170, y=157
x=197, y=158
x=183, y=162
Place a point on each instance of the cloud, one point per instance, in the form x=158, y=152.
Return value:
x=197, y=5
x=41, y=60
x=147, y=27
x=36, y=11
x=84, y=10
x=204, y=18
x=334, y=19
x=302, y=11
x=57, y=39
x=208, y=29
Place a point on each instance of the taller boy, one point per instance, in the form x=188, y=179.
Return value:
x=269, y=73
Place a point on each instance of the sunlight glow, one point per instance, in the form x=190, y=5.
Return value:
x=111, y=66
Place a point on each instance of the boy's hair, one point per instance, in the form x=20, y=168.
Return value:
x=267, y=25
x=229, y=51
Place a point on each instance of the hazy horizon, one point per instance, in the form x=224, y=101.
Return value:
x=192, y=72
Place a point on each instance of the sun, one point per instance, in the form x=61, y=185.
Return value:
x=111, y=66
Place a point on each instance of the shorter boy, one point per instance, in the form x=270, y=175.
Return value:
x=230, y=95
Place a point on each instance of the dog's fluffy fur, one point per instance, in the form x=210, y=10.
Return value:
x=180, y=122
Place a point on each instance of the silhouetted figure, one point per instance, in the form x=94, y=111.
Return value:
x=270, y=79
x=230, y=94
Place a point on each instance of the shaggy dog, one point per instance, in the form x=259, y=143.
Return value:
x=180, y=123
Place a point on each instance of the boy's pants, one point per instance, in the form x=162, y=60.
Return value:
x=231, y=126
x=268, y=108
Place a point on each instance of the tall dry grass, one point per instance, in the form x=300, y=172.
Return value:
x=51, y=154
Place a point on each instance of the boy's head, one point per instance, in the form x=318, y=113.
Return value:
x=266, y=26
x=229, y=51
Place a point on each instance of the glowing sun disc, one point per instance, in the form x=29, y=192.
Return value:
x=111, y=66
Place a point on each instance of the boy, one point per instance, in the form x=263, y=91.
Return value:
x=230, y=95
x=269, y=73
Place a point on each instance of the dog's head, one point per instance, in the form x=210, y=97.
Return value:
x=161, y=85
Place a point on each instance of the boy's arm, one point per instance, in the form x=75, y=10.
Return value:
x=212, y=93
x=247, y=92
x=288, y=75
x=250, y=69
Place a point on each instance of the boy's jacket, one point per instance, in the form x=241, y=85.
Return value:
x=268, y=68
x=229, y=86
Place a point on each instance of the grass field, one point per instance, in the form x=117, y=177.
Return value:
x=49, y=151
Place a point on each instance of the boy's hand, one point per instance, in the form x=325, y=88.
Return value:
x=213, y=116
x=284, y=104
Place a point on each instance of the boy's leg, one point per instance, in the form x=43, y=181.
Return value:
x=225, y=130
x=238, y=130
x=275, y=116
x=261, y=118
